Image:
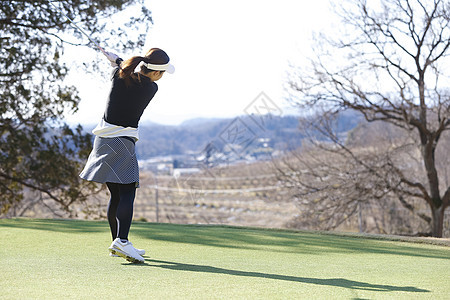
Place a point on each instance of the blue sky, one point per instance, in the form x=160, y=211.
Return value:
x=225, y=53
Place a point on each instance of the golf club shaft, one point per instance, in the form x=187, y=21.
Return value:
x=81, y=30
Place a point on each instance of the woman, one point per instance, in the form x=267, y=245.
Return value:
x=113, y=158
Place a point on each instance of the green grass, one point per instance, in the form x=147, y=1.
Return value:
x=62, y=259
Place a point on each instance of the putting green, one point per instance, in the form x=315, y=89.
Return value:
x=67, y=259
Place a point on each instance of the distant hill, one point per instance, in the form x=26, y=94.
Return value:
x=249, y=132
x=199, y=121
x=195, y=135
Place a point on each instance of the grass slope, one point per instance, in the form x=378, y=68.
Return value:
x=62, y=259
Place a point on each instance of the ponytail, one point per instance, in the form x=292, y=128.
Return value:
x=127, y=67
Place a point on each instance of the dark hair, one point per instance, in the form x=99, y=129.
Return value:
x=153, y=56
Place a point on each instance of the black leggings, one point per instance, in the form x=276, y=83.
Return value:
x=120, y=208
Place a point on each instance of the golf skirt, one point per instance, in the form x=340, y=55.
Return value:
x=112, y=160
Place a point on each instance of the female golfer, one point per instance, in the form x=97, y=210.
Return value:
x=113, y=158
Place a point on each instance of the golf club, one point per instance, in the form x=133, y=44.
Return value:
x=81, y=30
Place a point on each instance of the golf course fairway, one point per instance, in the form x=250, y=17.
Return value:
x=69, y=259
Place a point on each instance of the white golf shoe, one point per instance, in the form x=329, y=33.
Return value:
x=141, y=252
x=125, y=250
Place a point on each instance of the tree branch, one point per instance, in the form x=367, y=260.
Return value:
x=24, y=183
x=411, y=208
x=446, y=198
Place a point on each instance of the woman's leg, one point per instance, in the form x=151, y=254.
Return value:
x=120, y=209
x=112, y=207
x=120, y=215
x=125, y=209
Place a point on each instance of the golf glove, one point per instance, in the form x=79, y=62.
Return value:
x=114, y=59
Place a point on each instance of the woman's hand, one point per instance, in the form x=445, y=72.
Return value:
x=114, y=59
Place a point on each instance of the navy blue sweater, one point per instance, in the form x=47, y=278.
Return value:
x=126, y=104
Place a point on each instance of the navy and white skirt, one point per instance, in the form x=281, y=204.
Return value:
x=112, y=160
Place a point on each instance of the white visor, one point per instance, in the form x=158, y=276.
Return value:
x=169, y=68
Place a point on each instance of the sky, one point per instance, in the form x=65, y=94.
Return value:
x=226, y=53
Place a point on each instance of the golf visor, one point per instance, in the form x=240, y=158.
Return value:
x=169, y=68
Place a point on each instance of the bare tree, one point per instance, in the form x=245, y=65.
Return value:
x=390, y=66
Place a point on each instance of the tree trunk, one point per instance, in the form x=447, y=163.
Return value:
x=437, y=222
x=429, y=143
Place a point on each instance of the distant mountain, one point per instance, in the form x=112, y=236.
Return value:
x=199, y=121
x=251, y=134
x=194, y=135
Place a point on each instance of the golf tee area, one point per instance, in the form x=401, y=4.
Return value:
x=69, y=259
